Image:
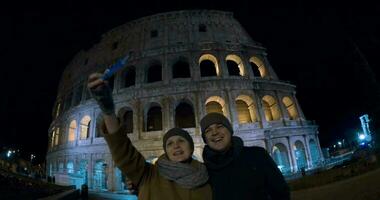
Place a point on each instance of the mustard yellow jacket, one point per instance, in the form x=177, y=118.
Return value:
x=151, y=185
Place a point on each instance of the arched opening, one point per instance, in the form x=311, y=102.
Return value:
x=216, y=104
x=100, y=176
x=280, y=156
x=184, y=115
x=154, y=73
x=314, y=152
x=129, y=75
x=70, y=167
x=52, y=139
x=235, y=65
x=258, y=67
x=246, y=108
x=72, y=129
x=154, y=119
x=271, y=109
x=85, y=127
x=290, y=107
x=181, y=69
x=243, y=112
x=299, y=151
x=208, y=65
x=57, y=137
x=83, y=171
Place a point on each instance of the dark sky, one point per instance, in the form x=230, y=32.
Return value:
x=315, y=46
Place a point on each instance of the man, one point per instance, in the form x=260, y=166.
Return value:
x=237, y=172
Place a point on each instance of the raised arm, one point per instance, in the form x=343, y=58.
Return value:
x=101, y=92
x=125, y=155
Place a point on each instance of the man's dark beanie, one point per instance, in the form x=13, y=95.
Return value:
x=180, y=132
x=215, y=118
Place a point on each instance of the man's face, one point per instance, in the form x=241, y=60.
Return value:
x=178, y=148
x=218, y=137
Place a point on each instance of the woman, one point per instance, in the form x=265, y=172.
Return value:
x=175, y=176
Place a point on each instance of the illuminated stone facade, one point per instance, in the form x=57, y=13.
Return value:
x=186, y=64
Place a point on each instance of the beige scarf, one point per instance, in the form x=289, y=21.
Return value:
x=184, y=174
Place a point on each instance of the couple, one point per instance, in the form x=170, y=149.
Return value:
x=230, y=170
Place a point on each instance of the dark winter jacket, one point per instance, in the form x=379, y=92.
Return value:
x=244, y=173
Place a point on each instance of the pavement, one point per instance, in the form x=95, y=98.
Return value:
x=363, y=187
x=109, y=196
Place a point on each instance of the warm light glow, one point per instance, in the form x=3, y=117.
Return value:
x=238, y=61
x=252, y=111
x=58, y=110
x=243, y=112
x=84, y=127
x=271, y=109
x=56, y=138
x=290, y=107
x=259, y=64
x=212, y=59
x=215, y=104
x=72, y=129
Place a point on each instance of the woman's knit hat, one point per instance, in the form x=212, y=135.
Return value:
x=179, y=132
x=215, y=118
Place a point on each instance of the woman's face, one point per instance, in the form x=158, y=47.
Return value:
x=178, y=148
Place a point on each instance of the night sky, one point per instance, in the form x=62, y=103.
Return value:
x=330, y=51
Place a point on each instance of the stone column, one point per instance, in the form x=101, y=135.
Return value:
x=292, y=160
x=260, y=110
x=307, y=152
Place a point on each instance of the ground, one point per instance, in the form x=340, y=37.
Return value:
x=363, y=187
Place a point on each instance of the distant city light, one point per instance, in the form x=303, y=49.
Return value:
x=9, y=153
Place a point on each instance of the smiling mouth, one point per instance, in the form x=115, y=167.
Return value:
x=217, y=140
x=178, y=153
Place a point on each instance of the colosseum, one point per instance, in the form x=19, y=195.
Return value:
x=186, y=64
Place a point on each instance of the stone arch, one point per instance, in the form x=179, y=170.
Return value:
x=314, y=152
x=258, y=67
x=70, y=167
x=280, y=156
x=53, y=136
x=290, y=107
x=99, y=175
x=271, y=109
x=85, y=123
x=126, y=116
x=153, y=118
x=72, y=130
x=83, y=171
x=57, y=136
x=181, y=68
x=129, y=76
x=208, y=65
x=235, y=65
x=184, y=115
x=300, y=153
x=246, y=109
x=216, y=104
x=154, y=72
